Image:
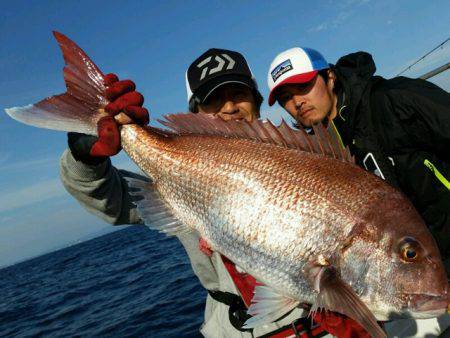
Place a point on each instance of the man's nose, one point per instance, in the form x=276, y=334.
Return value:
x=299, y=101
x=229, y=107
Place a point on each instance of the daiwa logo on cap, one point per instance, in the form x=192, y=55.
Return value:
x=282, y=68
x=221, y=63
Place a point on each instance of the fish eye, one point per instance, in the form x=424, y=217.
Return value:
x=409, y=250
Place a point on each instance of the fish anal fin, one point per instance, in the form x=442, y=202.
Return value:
x=337, y=296
x=155, y=213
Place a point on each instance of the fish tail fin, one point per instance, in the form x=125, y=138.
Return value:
x=79, y=108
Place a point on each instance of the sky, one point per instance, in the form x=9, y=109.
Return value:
x=153, y=43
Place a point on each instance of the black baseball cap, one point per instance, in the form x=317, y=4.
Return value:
x=215, y=68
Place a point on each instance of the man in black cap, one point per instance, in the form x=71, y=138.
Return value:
x=220, y=82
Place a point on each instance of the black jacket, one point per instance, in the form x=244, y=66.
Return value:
x=400, y=126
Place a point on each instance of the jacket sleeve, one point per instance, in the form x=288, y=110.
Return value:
x=424, y=111
x=100, y=189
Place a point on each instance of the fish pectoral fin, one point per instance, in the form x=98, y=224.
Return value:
x=267, y=306
x=154, y=212
x=336, y=295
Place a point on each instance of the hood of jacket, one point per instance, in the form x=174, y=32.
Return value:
x=354, y=73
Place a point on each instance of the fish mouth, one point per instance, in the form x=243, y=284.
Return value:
x=429, y=303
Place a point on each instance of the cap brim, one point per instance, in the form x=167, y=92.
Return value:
x=224, y=83
x=211, y=86
x=299, y=78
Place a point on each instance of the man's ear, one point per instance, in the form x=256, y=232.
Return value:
x=331, y=79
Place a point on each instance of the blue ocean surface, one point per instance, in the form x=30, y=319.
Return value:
x=131, y=283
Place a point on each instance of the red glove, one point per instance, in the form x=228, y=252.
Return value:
x=339, y=325
x=123, y=98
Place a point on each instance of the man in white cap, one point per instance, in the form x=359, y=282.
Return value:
x=398, y=129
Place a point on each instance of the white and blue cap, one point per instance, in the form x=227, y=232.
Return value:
x=295, y=65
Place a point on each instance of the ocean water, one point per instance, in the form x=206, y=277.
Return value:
x=131, y=283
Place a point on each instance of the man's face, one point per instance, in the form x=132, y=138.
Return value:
x=231, y=102
x=308, y=103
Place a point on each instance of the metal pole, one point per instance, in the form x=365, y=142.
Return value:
x=423, y=57
x=435, y=71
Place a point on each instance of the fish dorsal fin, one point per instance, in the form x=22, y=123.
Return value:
x=324, y=141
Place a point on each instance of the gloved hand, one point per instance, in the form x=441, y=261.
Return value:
x=123, y=98
x=339, y=325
